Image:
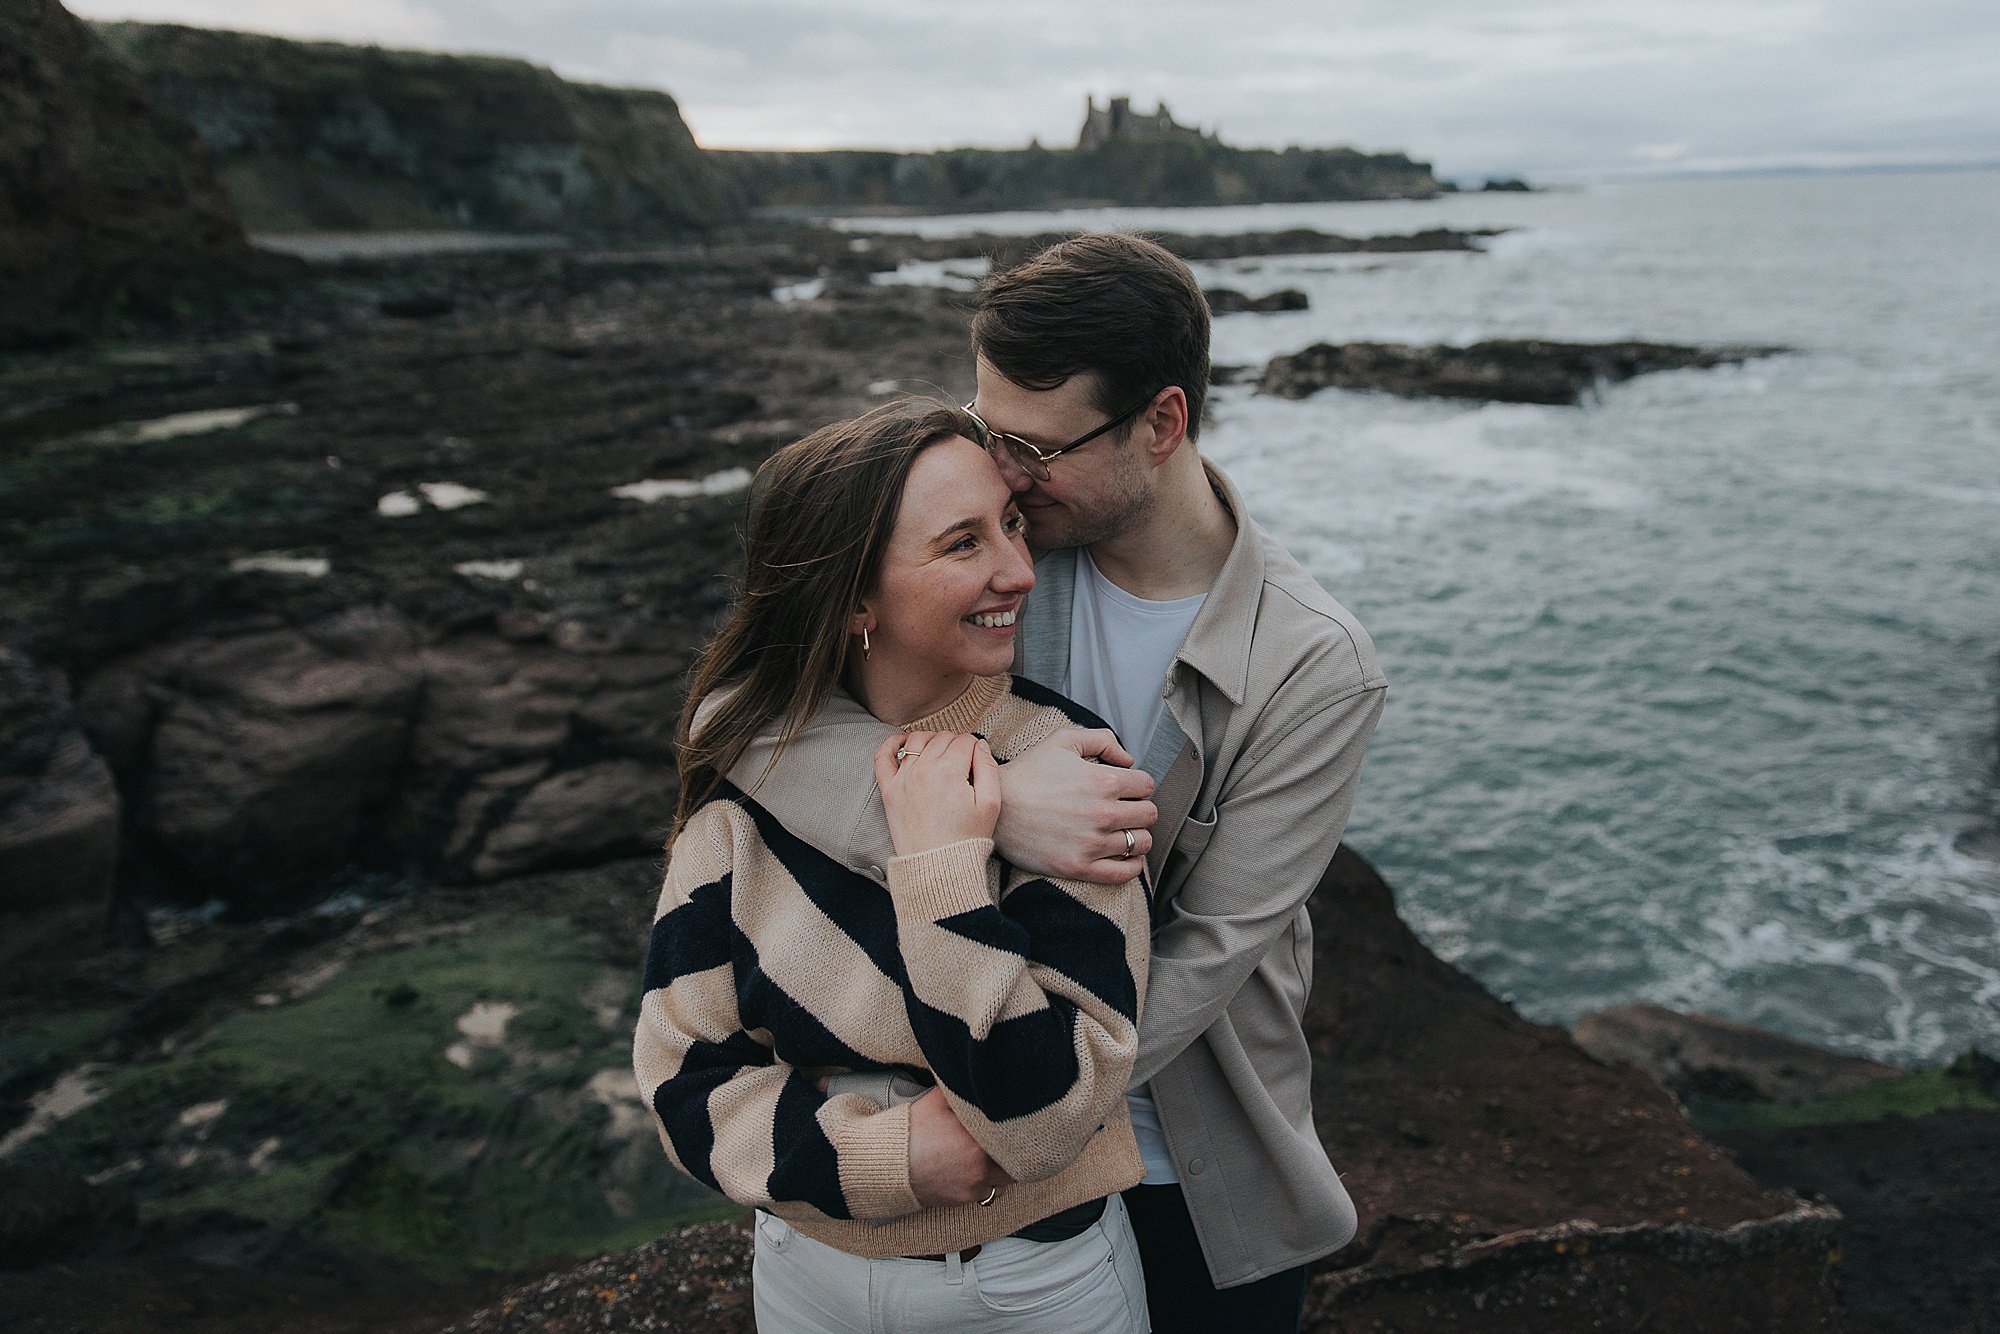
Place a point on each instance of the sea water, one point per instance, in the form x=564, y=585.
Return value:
x=1692, y=688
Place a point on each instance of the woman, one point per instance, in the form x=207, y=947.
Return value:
x=886, y=557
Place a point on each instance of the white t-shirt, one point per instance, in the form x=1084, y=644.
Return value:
x=1120, y=648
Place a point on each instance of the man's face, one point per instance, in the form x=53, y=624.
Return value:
x=1097, y=491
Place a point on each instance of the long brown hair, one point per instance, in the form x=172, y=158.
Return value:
x=821, y=513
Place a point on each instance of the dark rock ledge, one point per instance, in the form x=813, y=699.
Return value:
x=1507, y=1181
x=1513, y=370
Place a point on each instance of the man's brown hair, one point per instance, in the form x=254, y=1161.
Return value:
x=1108, y=302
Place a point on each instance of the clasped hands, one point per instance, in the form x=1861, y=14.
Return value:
x=1062, y=808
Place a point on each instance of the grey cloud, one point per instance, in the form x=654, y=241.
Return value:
x=1563, y=87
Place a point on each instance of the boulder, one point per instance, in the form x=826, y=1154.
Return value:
x=265, y=758
x=58, y=807
x=540, y=753
x=1514, y=370
x=259, y=759
x=1703, y=1055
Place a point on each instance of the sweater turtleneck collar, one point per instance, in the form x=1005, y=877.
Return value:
x=965, y=713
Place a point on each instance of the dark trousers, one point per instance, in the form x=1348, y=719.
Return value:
x=1178, y=1291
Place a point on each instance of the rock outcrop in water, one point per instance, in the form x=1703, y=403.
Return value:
x=1229, y=301
x=105, y=205
x=1701, y=1055
x=1514, y=370
x=316, y=136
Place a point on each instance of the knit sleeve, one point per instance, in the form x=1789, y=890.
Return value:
x=1024, y=998
x=729, y=1112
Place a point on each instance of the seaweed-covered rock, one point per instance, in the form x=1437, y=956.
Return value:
x=1509, y=370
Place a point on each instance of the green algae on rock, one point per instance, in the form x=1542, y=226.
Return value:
x=370, y=1109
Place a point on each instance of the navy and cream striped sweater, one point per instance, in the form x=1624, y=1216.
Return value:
x=771, y=965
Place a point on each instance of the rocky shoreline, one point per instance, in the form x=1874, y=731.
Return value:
x=1501, y=370
x=431, y=734
x=343, y=617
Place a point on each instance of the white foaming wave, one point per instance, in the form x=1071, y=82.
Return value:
x=1532, y=243
x=1480, y=451
x=1892, y=484
x=1390, y=462
x=1481, y=455
x=1919, y=922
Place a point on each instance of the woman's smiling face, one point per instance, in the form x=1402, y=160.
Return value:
x=953, y=575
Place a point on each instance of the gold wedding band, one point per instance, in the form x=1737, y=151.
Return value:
x=991, y=1195
x=1131, y=843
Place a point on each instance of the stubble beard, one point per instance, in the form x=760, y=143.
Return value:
x=1118, y=513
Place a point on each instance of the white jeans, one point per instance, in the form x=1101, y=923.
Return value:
x=1090, y=1284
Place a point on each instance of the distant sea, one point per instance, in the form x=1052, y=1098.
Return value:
x=1692, y=689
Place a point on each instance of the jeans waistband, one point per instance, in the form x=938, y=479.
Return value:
x=1065, y=1224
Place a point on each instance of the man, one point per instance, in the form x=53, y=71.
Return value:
x=1241, y=687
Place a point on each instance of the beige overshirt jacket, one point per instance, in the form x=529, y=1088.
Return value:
x=1271, y=702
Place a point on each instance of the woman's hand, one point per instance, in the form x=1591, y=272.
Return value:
x=945, y=788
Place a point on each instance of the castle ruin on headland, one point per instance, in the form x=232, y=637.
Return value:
x=1117, y=120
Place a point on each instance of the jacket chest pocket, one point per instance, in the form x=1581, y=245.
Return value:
x=1186, y=851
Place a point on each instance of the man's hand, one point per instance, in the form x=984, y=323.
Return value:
x=947, y=1166
x=1065, y=806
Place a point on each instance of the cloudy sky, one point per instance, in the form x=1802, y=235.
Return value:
x=1556, y=89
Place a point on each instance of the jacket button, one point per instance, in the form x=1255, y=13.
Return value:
x=1195, y=1165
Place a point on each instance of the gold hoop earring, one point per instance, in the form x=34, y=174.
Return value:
x=865, y=650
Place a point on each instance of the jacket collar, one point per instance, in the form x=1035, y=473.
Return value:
x=1218, y=643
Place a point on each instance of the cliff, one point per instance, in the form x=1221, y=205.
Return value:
x=317, y=136
x=1165, y=171
x=105, y=206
